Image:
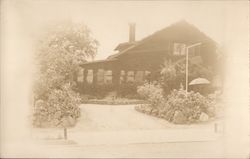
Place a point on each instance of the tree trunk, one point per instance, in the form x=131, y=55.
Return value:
x=65, y=134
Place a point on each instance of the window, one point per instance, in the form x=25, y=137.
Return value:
x=130, y=76
x=139, y=76
x=147, y=75
x=179, y=49
x=80, y=75
x=90, y=76
x=122, y=76
x=100, y=76
x=108, y=77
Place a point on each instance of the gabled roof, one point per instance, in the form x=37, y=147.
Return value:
x=124, y=45
x=158, y=33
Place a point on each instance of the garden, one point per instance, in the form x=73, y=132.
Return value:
x=109, y=94
x=178, y=107
x=167, y=98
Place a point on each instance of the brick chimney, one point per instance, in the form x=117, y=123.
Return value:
x=131, y=32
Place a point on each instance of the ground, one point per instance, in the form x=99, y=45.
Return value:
x=120, y=131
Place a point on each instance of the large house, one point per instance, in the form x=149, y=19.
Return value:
x=136, y=60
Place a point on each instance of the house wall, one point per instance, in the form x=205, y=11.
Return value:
x=145, y=59
x=150, y=54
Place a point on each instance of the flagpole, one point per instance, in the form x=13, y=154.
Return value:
x=186, y=71
x=188, y=47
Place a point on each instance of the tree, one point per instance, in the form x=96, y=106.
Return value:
x=173, y=74
x=60, y=51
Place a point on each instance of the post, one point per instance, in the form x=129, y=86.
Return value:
x=215, y=127
x=65, y=134
x=190, y=46
x=186, y=71
x=95, y=76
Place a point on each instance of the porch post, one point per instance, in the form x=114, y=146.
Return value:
x=85, y=73
x=94, y=76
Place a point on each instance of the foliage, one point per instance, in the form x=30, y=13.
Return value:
x=96, y=91
x=173, y=74
x=115, y=101
x=100, y=91
x=127, y=90
x=152, y=92
x=59, y=53
x=178, y=107
x=60, y=110
x=191, y=105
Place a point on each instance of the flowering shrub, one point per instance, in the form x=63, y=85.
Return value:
x=178, y=107
x=152, y=92
x=59, y=110
x=192, y=106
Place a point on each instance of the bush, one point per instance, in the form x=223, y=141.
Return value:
x=125, y=90
x=192, y=106
x=153, y=93
x=178, y=107
x=59, y=110
x=96, y=91
x=128, y=90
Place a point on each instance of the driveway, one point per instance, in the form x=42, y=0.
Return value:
x=122, y=124
x=123, y=117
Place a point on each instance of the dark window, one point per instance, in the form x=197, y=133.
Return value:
x=100, y=76
x=139, y=76
x=90, y=76
x=130, y=76
x=108, y=77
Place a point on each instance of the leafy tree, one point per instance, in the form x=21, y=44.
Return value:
x=174, y=73
x=60, y=51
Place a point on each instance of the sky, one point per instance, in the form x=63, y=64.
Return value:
x=108, y=20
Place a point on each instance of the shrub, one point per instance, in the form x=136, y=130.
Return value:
x=97, y=91
x=178, y=107
x=192, y=106
x=59, y=110
x=153, y=93
x=128, y=90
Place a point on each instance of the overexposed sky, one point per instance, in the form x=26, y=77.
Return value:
x=109, y=20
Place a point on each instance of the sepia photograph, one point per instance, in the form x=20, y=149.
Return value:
x=124, y=79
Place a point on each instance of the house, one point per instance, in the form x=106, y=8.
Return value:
x=139, y=60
